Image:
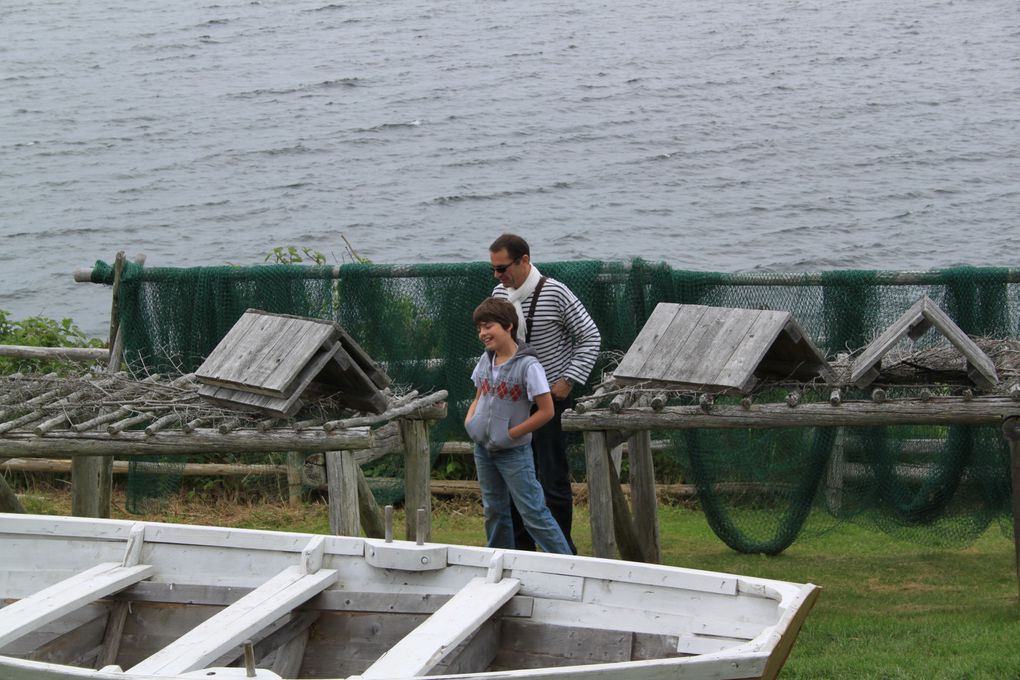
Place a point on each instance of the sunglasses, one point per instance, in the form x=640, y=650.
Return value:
x=501, y=268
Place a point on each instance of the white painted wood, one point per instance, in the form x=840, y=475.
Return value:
x=178, y=534
x=133, y=551
x=702, y=644
x=429, y=643
x=700, y=612
x=51, y=603
x=233, y=625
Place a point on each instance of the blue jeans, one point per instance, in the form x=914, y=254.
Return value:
x=510, y=473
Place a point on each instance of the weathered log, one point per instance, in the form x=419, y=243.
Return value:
x=417, y=472
x=938, y=411
x=65, y=444
x=643, y=501
x=1011, y=432
x=122, y=467
x=162, y=422
x=8, y=500
x=342, y=479
x=121, y=425
x=623, y=522
x=295, y=464
x=83, y=354
x=91, y=486
x=603, y=539
x=425, y=408
x=372, y=521
x=621, y=401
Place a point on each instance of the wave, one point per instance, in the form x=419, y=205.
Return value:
x=496, y=195
x=331, y=84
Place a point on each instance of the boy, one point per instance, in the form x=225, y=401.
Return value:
x=508, y=378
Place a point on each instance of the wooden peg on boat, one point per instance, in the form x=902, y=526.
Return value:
x=420, y=532
x=249, y=658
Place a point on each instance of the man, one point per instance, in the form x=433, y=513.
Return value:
x=561, y=332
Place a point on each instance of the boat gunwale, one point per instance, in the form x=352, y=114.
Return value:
x=683, y=578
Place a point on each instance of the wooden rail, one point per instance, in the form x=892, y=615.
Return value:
x=937, y=411
x=84, y=354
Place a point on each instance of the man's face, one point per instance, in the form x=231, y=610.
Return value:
x=511, y=273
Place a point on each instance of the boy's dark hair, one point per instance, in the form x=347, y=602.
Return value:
x=515, y=246
x=498, y=311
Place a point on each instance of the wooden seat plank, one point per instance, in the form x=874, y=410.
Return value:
x=426, y=646
x=49, y=604
x=230, y=627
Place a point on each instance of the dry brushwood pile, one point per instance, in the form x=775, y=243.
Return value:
x=144, y=408
x=930, y=372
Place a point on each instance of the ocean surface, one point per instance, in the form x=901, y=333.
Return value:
x=723, y=135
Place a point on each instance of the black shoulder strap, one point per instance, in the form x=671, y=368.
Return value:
x=531, y=308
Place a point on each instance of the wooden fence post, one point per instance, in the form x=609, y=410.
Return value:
x=600, y=504
x=295, y=461
x=1011, y=430
x=8, y=500
x=371, y=517
x=417, y=472
x=342, y=480
x=642, y=494
x=91, y=485
x=92, y=476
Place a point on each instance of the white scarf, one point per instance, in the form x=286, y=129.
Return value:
x=518, y=295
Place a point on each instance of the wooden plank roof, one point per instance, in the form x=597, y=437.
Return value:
x=913, y=323
x=270, y=361
x=718, y=349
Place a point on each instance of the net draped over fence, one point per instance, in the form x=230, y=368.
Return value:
x=760, y=489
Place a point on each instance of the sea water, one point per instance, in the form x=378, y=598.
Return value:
x=722, y=135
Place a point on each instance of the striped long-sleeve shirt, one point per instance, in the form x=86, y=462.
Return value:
x=563, y=334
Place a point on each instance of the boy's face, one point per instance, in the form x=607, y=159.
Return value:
x=494, y=336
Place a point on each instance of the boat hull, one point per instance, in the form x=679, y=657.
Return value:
x=142, y=599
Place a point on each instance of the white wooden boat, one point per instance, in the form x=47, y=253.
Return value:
x=122, y=600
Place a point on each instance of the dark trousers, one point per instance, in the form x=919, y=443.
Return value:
x=553, y=470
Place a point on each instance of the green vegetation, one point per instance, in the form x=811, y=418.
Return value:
x=889, y=610
x=39, y=331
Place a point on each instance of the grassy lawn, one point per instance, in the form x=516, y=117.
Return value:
x=889, y=609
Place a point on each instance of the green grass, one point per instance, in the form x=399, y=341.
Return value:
x=889, y=609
